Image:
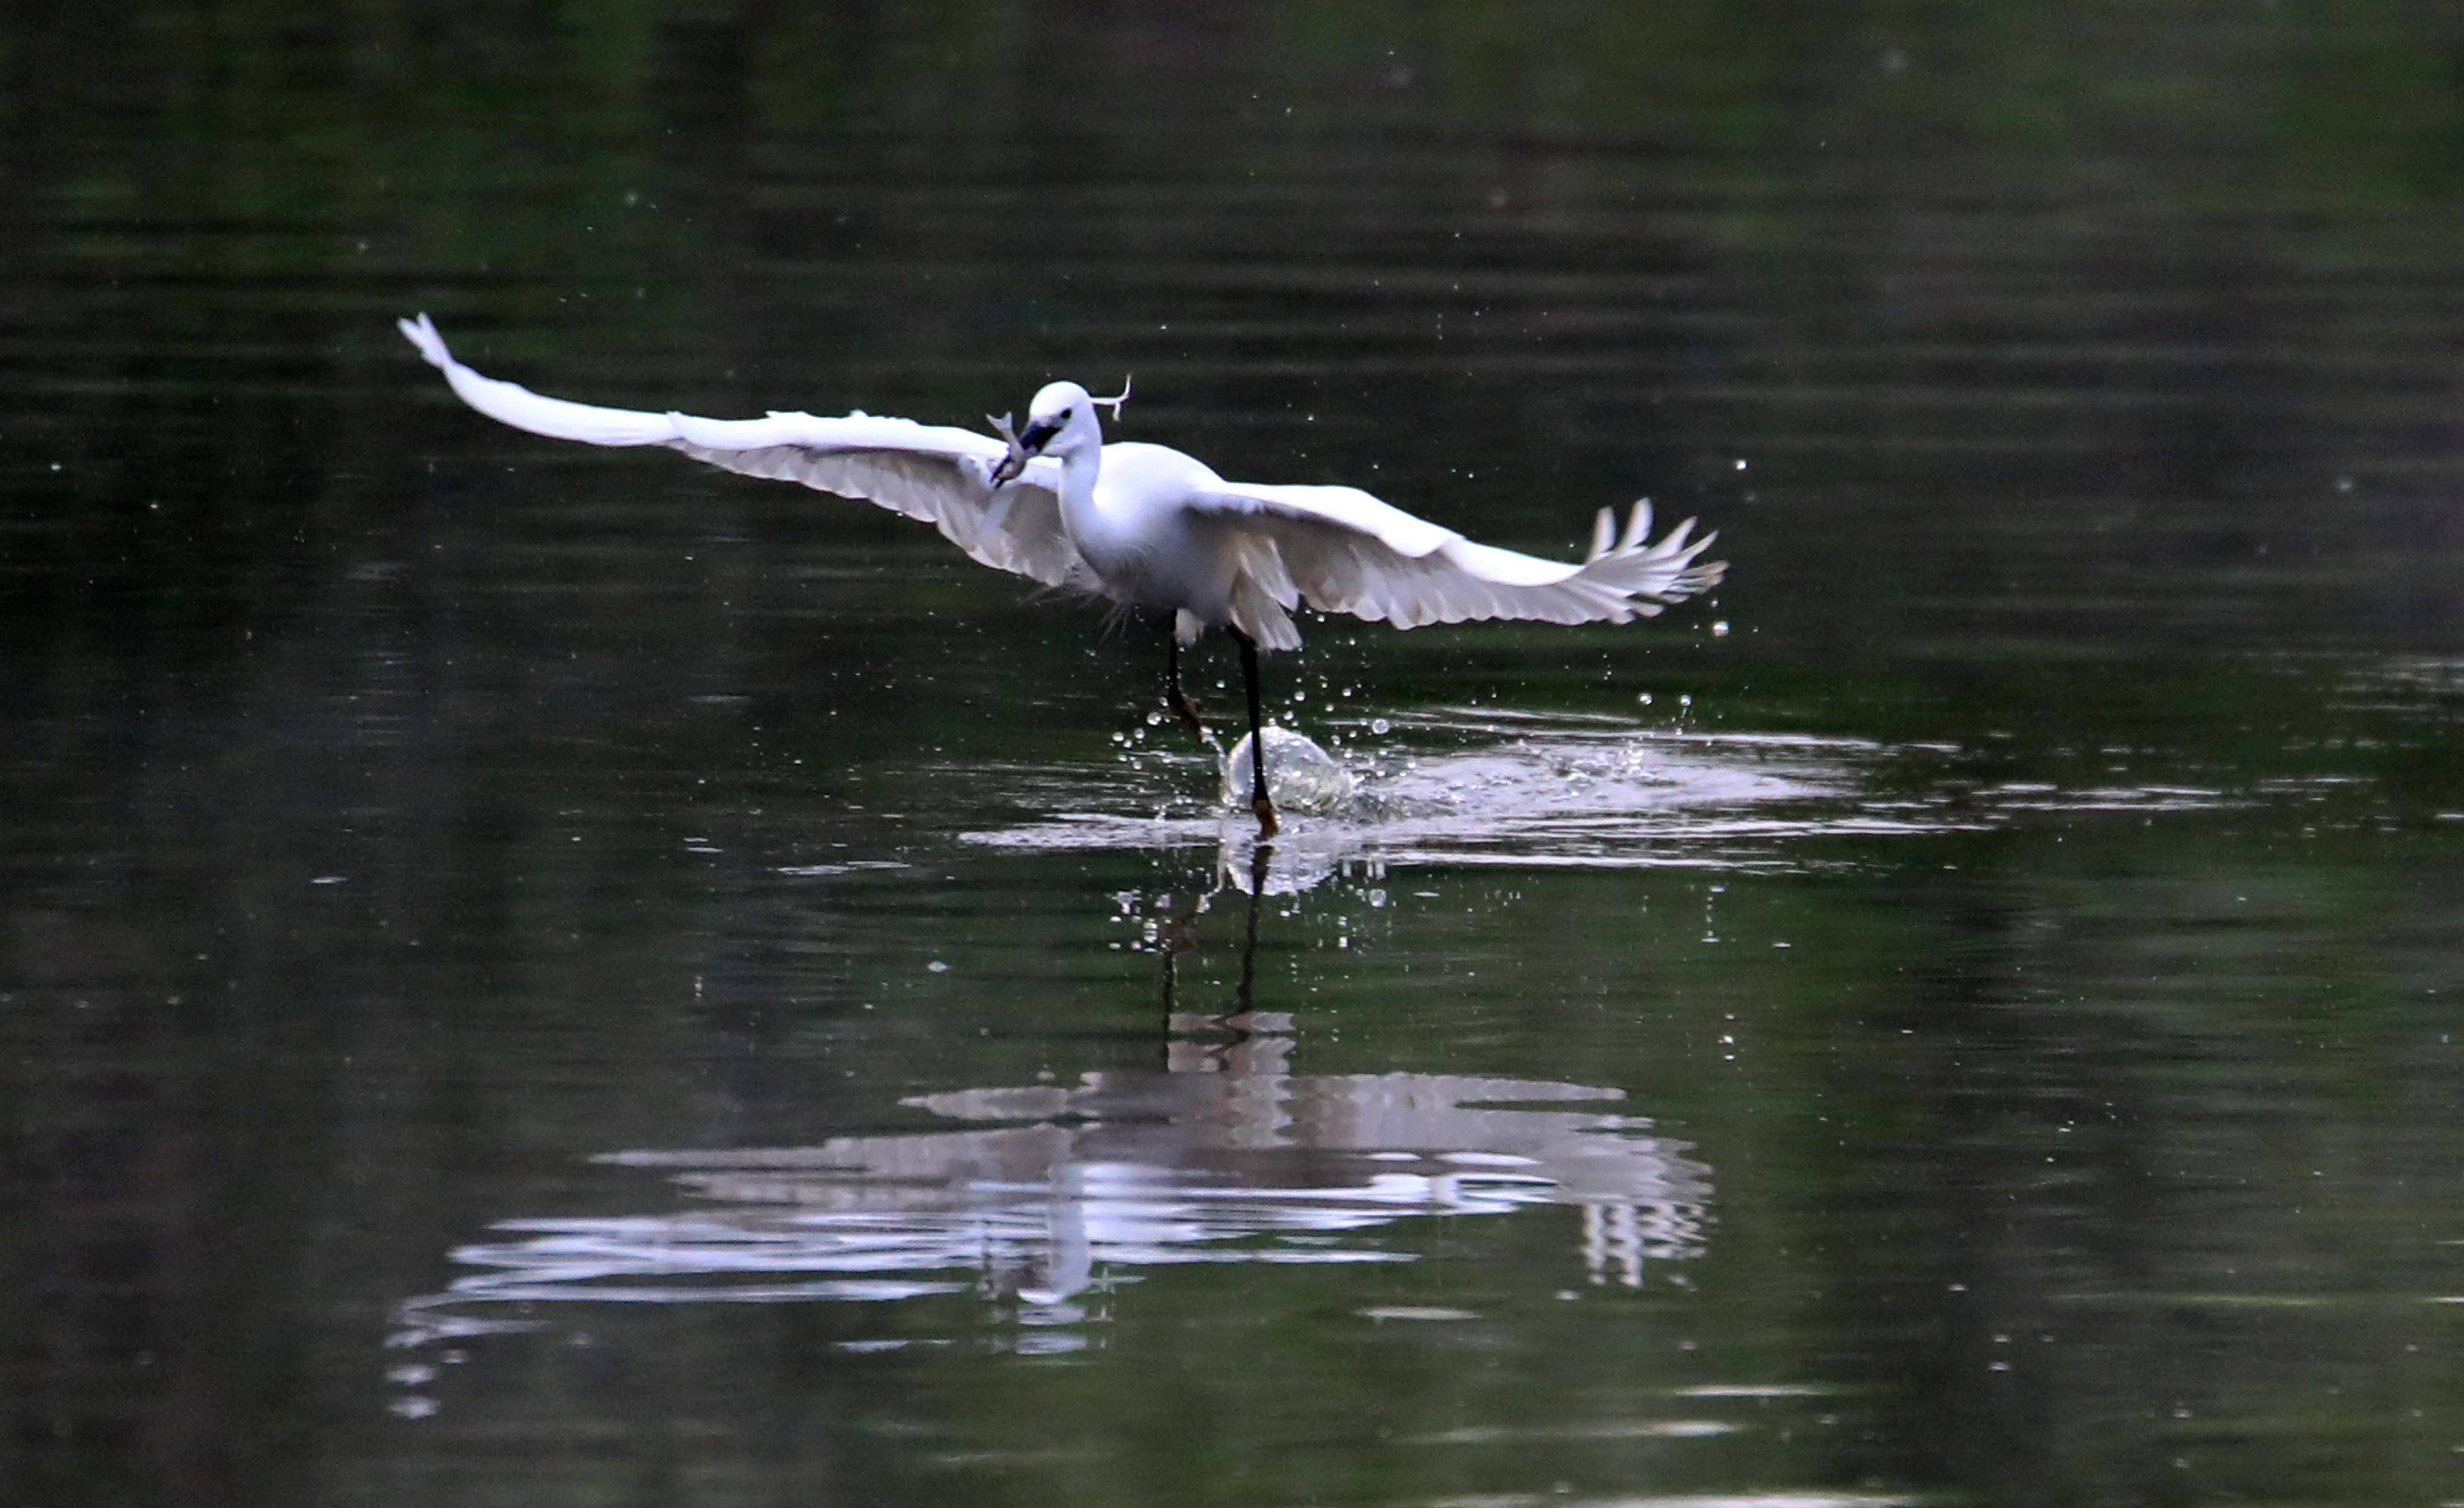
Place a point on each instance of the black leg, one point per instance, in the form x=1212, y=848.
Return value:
x=1264, y=807
x=1249, y=933
x=1180, y=705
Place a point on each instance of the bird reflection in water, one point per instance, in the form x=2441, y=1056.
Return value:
x=1220, y=1155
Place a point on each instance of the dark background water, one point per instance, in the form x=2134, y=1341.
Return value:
x=533, y=973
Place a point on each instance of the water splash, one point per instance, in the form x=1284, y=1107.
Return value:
x=1300, y=776
x=1484, y=786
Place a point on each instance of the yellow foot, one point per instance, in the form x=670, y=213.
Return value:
x=1186, y=711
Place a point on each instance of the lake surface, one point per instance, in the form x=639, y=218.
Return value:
x=532, y=974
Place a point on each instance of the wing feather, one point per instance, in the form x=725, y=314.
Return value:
x=1345, y=550
x=935, y=473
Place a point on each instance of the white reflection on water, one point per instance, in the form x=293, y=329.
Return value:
x=1224, y=1157
x=1460, y=786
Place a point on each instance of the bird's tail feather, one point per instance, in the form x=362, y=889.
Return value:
x=1255, y=612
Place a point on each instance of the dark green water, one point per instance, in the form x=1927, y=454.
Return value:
x=533, y=974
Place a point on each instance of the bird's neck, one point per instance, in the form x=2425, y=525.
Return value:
x=1078, y=471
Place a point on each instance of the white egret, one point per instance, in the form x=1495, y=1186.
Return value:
x=1145, y=525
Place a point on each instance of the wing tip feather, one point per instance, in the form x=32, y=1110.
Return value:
x=1638, y=524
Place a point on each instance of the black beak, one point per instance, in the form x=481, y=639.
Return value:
x=1023, y=449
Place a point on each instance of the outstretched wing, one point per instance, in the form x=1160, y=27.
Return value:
x=936, y=473
x=1345, y=550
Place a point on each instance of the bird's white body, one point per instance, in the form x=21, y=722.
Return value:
x=1149, y=550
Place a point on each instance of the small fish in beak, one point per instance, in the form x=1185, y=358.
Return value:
x=1022, y=448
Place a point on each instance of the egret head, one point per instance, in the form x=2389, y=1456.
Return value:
x=1060, y=422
